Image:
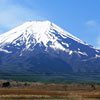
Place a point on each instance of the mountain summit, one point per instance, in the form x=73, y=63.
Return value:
x=43, y=32
x=43, y=47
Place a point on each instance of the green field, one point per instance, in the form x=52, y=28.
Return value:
x=54, y=78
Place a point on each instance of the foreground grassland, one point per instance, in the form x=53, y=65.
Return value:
x=8, y=94
x=41, y=91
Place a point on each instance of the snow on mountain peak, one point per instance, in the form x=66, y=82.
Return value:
x=34, y=26
x=34, y=32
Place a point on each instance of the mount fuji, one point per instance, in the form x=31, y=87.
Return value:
x=43, y=47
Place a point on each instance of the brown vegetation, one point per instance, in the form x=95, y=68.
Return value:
x=27, y=90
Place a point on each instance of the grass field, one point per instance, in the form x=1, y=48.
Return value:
x=8, y=94
x=41, y=91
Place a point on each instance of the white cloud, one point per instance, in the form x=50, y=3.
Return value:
x=92, y=23
x=93, y=27
x=12, y=14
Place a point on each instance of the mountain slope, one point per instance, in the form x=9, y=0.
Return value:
x=36, y=32
x=43, y=47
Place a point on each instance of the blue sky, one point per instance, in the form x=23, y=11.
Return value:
x=79, y=17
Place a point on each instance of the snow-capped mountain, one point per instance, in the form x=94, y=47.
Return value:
x=42, y=46
x=31, y=33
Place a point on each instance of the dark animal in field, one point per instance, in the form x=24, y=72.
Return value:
x=93, y=87
x=6, y=84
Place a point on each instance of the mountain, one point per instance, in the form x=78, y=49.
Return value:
x=43, y=47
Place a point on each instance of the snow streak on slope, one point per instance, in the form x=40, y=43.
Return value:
x=36, y=32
